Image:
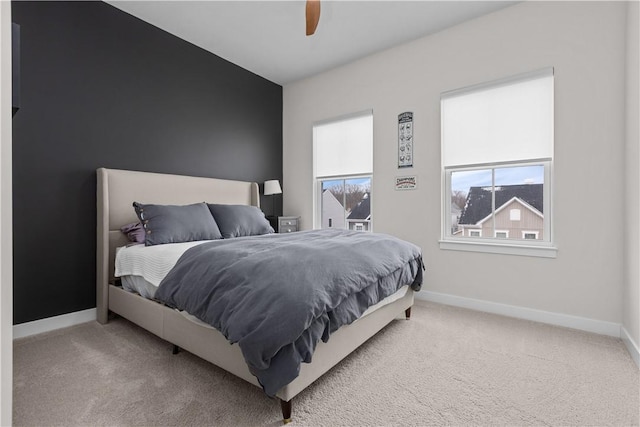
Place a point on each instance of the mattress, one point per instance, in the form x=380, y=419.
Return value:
x=142, y=268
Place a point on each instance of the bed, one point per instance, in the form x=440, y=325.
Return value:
x=116, y=189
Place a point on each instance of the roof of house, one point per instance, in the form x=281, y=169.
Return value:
x=362, y=210
x=478, y=205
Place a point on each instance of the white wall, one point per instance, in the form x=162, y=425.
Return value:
x=585, y=42
x=631, y=296
x=6, y=260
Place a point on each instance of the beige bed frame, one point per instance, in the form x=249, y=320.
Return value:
x=116, y=191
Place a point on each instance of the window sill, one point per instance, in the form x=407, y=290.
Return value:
x=500, y=248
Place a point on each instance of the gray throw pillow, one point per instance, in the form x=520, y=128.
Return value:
x=240, y=220
x=176, y=224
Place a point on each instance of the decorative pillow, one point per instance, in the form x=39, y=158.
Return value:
x=240, y=220
x=176, y=224
x=134, y=232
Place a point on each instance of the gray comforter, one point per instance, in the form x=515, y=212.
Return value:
x=277, y=295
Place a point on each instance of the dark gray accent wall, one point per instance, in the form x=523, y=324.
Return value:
x=100, y=88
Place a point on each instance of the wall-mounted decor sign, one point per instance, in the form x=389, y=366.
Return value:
x=405, y=140
x=406, y=182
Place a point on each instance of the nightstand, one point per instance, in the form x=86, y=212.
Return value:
x=288, y=224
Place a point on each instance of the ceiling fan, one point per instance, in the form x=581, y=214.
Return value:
x=312, y=15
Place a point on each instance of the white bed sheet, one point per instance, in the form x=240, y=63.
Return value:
x=152, y=263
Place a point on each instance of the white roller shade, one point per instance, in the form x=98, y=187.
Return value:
x=505, y=121
x=344, y=147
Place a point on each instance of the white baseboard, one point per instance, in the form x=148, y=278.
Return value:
x=51, y=323
x=558, y=319
x=632, y=346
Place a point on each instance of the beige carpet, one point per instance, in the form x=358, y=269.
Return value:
x=446, y=366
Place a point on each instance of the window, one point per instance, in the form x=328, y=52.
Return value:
x=345, y=203
x=497, y=156
x=343, y=166
x=506, y=199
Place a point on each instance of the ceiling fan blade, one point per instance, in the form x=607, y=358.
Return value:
x=313, y=15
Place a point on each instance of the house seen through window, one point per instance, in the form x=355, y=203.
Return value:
x=346, y=203
x=343, y=165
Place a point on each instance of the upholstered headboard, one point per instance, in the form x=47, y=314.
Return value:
x=118, y=189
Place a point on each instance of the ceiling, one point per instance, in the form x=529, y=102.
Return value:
x=268, y=37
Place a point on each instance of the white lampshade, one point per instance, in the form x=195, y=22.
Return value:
x=272, y=187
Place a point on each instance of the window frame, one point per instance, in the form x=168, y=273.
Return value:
x=317, y=223
x=536, y=248
x=505, y=232
x=317, y=180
